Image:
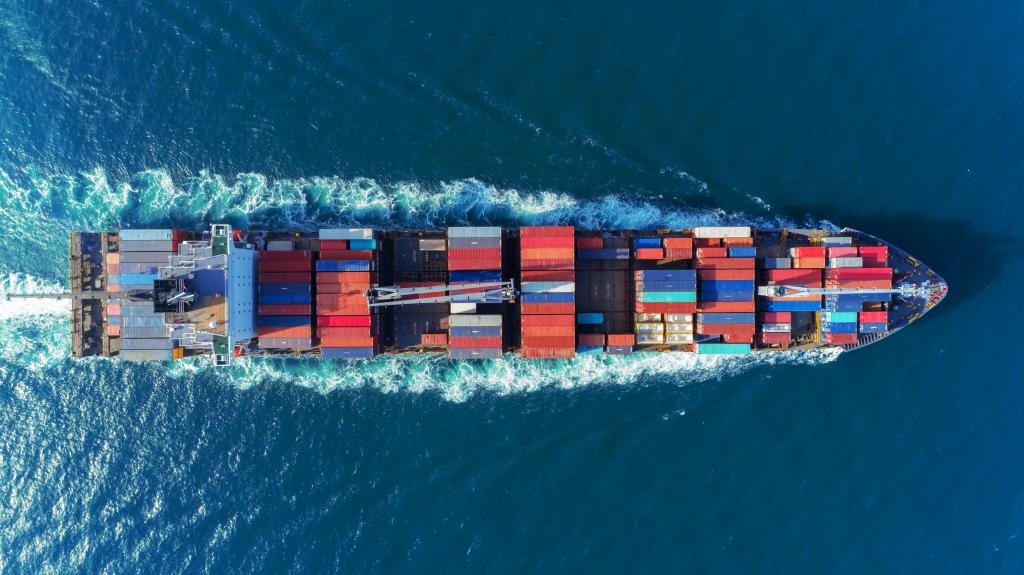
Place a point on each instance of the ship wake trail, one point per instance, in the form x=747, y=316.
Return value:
x=43, y=209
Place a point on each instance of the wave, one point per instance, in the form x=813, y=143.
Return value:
x=42, y=209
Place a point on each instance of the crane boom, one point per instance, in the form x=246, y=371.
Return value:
x=392, y=295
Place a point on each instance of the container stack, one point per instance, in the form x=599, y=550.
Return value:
x=548, y=284
x=874, y=256
x=806, y=257
x=620, y=343
x=839, y=327
x=474, y=248
x=844, y=257
x=776, y=327
x=665, y=302
x=725, y=259
x=285, y=302
x=344, y=273
x=793, y=277
x=873, y=321
x=724, y=248
x=143, y=333
x=113, y=312
x=419, y=260
x=879, y=278
x=474, y=336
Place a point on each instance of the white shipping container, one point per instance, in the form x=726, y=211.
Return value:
x=679, y=328
x=433, y=245
x=846, y=262
x=650, y=328
x=837, y=241
x=679, y=338
x=678, y=317
x=649, y=338
x=549, y=287
x=346, y=234
x=280, y=246
x=722, y=232
x=474, y=232
x=777, y=327
x=646, y=317
x=473, y=320
x=458, y=307
x=150, y=234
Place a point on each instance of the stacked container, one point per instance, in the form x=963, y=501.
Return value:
x=862, y=278
x=725, y=258
x=873, y=321
x=776, y=327
x=548, y=284
x=345, y=271
x=793, y=277
x=143, y=332
x=285, y=300
x=665, y=302
x=419, y=261
x=473, y=336
x=874, y=256
x=474, y=256
x=474, y=248
x=806, y=257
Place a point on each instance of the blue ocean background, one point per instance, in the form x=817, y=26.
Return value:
x=901, y=119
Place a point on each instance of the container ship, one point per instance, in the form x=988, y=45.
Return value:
x=543, y=292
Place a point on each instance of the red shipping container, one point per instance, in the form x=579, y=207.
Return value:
x=809, y=263
x=294, y=331
x=463, y=265
x=284, y=309
x=291, y=255
x=808, y=252
x=333, y=244
x=562, y=242
x=342, y=289
x=649, y=254
x=738, y=338
x=591, y=339
x=777, y=317
x=548, y=353
x=552, y=330
x=615, y=339
x=113, y=330
x=348, y=341
x=548, y=308
x=113, y=309
x=549, y=320
x=678, y=254
x=738, y=241
x=469, y=343
x=775, y=337
x=549, y=341
x=726, y=274
x=335, y=277
x=677, y=307
x=547, y=231
x=335, y=309
x=809, y=278
x=726, y=306
x=344, y=255
x=842, y=252
x=712, y=252
x=548, y=275
x=840, y=338
x=343, y=332
x=284, y=265
x=546, y=253
x=874, y=251
x=344, y=321
x=434, y=339
x=707, y=242
x=725, y=328
x=873, y=317
x=881, y=284
x=340, y=299
x=725, y=263
x=589, y=243
x=286, y=277
x=678, y=243
x=548, y=264
x=473, y=254
x=860, y=273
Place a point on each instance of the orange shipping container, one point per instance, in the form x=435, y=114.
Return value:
x=343, y=289
x=621, y=339
x=738, y=242
x=343, y=332
x=712, y=252
x=809, y=263
x=294, y=331
x=348, y=341
x=329, y=299
x=681, y=243
x=725, y=328
x=678, y=254
x=726, y=306
x=113, y=330
x=547, y=320
x=112, y=258
x=333, y=277
x=707, y=242
x=548, y=330
x=554, y=264
x=738, y=338
x=113, y=287
x=549, y=341
x=113, y=309
x=363, y=309
x=877, y=284
x=546, y=253
x=649, y=254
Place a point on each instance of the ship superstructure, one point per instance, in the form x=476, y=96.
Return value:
x=543, y=292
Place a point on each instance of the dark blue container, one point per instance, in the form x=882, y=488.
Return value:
x=284, y=320
x=668, y=275
x=743, y=252
x=839, y=327
x=874, y=327
x=725, y=318
x=726, y=295
x=474, y=276
x=285, y=299
x=640, y=243
x=347, y=352
x=668, y=286
x=706, y=338
x=590, y=318
x=481, y=331
x=549, y=297
x=727, y=285
x=342, y=266
x=285, y=289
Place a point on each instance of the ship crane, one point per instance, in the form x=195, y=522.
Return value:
x=496, y=292
x=906, y=291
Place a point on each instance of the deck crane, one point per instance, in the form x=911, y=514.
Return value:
x=923, y=290
x=494, y=292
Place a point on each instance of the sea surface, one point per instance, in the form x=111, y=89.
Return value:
x=904, y=119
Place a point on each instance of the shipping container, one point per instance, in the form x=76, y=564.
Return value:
x=860, y=273
x=776, y=338
x=551, y=242
x=721, y=232
x=284, y=309
x=346, y=255
x=475, y=353
x=792, y=305
x=879, y=284
x=649, y=254
x=603, y=254
x=591, y=339
x=839, y=327
x=344, y=321
x=727, y=285
x=326, y=245
x=845, y=262
x=434, y=339
x=285, y=289
x=280, y=245
x=836, y=241
x=548, y=298
x=285, y=277
x=553, y=287
x=729, y=275
x=678, y=338
x=346, y=234
x=809, y=263
x=807, y=278
x=550, y=341
x=873, y=317
x=649, y=327
x=678, y=254
x=726, y=296
x=621, y=339
x=546, y=253
x=712, y=252
x=842, y=252
x=548, y=308
x=807, y=252
x=873, y=327
x=466, y=320
x=776, y=327
x=647, y=317
x=777, y=317
x=650, y=338
x=475, y=232
x=726, y=306
x=145, y=343
x=589, y=243
x=589, y=350
x=678, y=243
x=432, y=245
x=666, y=297
x=348, y=341
x=285, y=342
x=347, y=352
x=331, y=266
x=840, y=338
x=724, y=328
x=707, y=242
x=725, y=318
x=285, y=299
x=364, y=332
x=303, y=255
x=742, y=252
x=678, y=317
x=666, y=286
x=284, y=266
x=460, y=307
x=533, y=320
x=475, y=331
x=362, y=245
x=145, y=332
x=642, y=243
x=590, y=318
x=283, y=320
x=642, y=307
x=747, y=242
x=839, y=316
x=777, y=263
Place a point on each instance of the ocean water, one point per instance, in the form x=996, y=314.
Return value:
x=903, y=120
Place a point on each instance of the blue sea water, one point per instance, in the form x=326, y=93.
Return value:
x=901, y=119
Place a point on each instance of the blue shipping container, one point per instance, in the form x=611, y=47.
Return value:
x=474, y=276
x=481, y=331
x=668, y=275
x=590, y=318
x=603, y=254
x=666, y=286
x=362, y=244
x=839, y=327
x=285, y=289
x=727, y=285
x=726, y=295
x=285, y=299
x=347, y=352
x=640, y=243
x=874, y=327
x=284, y=320
x=549, y=297
x=743, y=252
x=342, y=266
x=792, y=306
x=725, y=318
x=137, y=279
x=706, y=338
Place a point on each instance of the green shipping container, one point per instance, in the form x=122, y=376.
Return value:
x=723, y=348
x=667, y=296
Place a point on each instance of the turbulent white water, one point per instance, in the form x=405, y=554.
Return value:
x=40, y=210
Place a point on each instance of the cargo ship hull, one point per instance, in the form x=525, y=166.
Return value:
x=549, y=292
